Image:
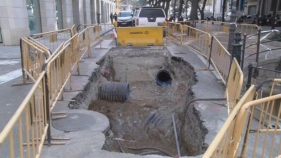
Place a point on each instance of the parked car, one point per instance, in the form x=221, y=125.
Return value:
x=148, y=16
x=125, y=19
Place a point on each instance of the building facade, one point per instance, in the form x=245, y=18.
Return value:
x=266, y=6
x=21, y=18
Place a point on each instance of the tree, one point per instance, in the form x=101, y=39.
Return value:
x=141, y=2
x=167, y=6
x=274, y=14
x=201, y=10
x=223, y=9
x=193, y=12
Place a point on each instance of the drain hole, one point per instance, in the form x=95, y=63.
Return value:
x=163, y=78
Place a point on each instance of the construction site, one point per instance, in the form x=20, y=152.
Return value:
x=99, y=91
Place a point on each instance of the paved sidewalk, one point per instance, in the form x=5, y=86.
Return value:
x=10, y=72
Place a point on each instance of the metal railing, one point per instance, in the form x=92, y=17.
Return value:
x=95, y=34
x=84, y=42
x=174, y=32
x=248, y=29
x=220, y=146
x=214, y=27
x=220, y=58
x=103, y=27
x=54, y=39
x=32, y=119
x=216, y=54
x=196, y=39
x=58, y=72
x=33, y=58
x=256, y=74
x=261, y=121
x=75, y=54
x=26, y=131
x=253, y=127
x=223, y=27
x=234, y=85
x=232, y=140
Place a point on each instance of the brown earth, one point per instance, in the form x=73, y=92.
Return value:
x=143, y=124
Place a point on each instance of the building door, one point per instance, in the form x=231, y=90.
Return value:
x=34, y=20
x=59, y=14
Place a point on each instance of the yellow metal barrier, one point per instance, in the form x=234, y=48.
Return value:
x=28, y=126
x=95, y=34
x=196, y=39
x=249, y=29
x=140, y=36
x=213, y=27
x=220, y=146
x=54, y=39
x=58, y=72
x=174, y=32
x=39, y=45
x=217, y=27
x=33, y=58
x=105, y=27
x=234, y=85
x=253, y=127
x=84, y=42
x=73, y=30
x=75, y=54
x=220, y=58
x=30, y=122
x=263, y=136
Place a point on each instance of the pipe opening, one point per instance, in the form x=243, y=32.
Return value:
x=163, y=78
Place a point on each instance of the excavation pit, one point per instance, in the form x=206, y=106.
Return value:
x=160, y=85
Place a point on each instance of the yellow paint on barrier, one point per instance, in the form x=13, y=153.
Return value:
x=140, y=36
x=225, y=29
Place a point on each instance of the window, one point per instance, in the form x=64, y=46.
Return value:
x=152, y=12
x=124, y=14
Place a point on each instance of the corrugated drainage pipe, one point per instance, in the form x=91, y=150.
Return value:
x=163, y=78
x=114, y=91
